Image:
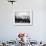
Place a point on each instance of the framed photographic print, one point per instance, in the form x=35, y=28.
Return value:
x=23, y=18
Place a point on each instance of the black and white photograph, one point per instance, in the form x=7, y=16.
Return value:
x=23, y=18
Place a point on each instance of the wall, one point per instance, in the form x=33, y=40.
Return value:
x=9, y=31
